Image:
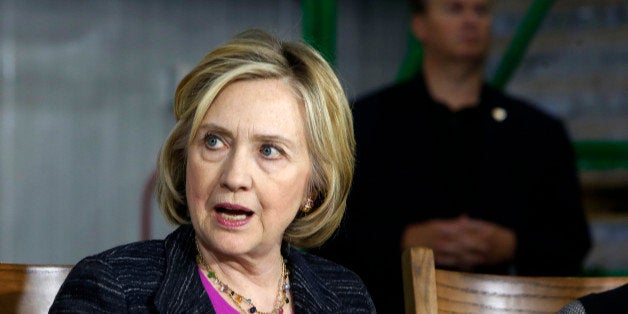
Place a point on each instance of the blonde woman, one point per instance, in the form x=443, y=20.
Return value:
x=258, y=165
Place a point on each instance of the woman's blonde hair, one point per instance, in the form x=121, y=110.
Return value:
x=255, y=54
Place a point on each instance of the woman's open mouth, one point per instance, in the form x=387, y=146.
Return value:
x=232, y=218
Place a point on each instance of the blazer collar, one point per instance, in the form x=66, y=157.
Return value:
x=181, y=290
x=309, y=291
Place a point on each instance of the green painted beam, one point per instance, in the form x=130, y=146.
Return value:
x=520, y=42
x=601, y=154
x=319, y=26
x=413, y=61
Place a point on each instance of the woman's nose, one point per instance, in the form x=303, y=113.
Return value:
x=236, y=170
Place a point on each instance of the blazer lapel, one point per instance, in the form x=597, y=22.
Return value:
x=181, y=290
x=308, y=290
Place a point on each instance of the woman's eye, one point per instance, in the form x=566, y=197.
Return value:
x=269, y=151
x=213, y=141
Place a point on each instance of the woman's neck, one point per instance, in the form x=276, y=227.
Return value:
x=258, y=279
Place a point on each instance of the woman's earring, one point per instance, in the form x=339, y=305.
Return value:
x=309, y=203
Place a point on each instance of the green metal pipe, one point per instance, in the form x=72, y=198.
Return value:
x=413, y=61
x=519, y=44
x=319, y=26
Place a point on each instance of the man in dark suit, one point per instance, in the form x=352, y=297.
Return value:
x=485, y=179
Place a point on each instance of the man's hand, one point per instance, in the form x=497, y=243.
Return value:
x=463, y=243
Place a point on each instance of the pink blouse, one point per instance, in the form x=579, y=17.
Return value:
x=220, y=305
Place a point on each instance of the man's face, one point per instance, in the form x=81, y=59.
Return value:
x=458, y=29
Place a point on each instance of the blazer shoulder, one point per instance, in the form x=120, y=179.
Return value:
x=130, y=259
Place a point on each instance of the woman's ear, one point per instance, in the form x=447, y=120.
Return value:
x=309, y=204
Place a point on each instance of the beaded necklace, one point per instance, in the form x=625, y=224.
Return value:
x=240, y=300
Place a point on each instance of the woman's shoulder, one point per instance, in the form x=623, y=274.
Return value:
x=125, y=259
x=100, y=281
x=140, y=258
x=131, y=252
x=130, y=276
x=139, y=253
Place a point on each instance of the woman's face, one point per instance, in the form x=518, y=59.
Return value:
x=248, y=168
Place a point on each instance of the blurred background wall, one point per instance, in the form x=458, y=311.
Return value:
x=86, y=88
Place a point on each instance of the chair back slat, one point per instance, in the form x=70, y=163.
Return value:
x=419, y=281
x=430, y=290
x=27, y=288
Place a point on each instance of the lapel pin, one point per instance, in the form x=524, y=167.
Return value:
x=499, y=114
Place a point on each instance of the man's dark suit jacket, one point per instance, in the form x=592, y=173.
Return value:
x=504, y=161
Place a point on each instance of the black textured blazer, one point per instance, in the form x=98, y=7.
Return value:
x=160, y=276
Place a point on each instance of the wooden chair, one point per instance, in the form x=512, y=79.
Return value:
x=26, y=288
x=430, y=290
